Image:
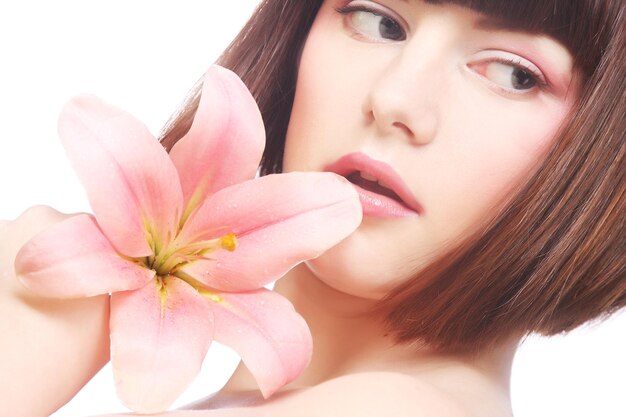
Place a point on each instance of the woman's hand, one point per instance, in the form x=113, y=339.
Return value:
x=49, y=348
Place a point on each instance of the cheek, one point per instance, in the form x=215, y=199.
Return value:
x=326, y=106
x=307, y=123
x=511, y=144
x=491, y=151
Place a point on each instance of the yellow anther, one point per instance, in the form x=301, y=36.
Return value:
x=229, y=242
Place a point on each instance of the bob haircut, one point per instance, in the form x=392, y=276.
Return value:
x=553, y=258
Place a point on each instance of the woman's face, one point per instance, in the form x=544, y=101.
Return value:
x=460, y=110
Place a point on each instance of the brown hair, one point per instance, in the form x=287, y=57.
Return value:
x=553, y=258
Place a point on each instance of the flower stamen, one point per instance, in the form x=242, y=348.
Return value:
x=198, y=286
x=229, y=242
x=172, y=261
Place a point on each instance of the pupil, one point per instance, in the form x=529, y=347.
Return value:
x=522, y=79
x=389, y=29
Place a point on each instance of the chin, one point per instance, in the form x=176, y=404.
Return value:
x=354, y=267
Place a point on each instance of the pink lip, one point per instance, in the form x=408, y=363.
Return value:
x=376, y=204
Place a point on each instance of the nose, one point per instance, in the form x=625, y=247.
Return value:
x=404, y=95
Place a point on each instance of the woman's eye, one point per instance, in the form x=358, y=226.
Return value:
x=372, y=23
x=509, y=75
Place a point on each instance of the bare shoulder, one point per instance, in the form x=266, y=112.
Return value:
x=372, y=394
x=227, y=412
x=14, y=233
x=368, y=394
x=41, y=212
x=46, y=336
x=31, y=221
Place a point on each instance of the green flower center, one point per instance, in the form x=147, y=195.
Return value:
x=169, y=260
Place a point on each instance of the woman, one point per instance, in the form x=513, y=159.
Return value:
x=524, y=236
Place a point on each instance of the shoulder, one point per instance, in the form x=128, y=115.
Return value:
x=14, y=233
x=32, y=220
x=367, y=394
x=372, y=394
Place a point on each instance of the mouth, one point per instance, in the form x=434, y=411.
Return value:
x=382, y=191
x=370, y=183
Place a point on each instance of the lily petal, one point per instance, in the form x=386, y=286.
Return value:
x=272, y=339
x=159, y=338
x=225, y=142
x=278, y=223
x=131, y=183
x=74, y=259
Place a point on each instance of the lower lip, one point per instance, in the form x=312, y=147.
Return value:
x=377, y=205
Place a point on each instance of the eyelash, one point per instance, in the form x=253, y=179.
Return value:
x=516, y=63
x=348, y=9
x=537, y=77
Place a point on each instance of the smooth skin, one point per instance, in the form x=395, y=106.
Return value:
x=439, y=107
x=51, y=348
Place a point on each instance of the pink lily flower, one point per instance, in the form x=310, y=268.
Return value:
x=186, y=241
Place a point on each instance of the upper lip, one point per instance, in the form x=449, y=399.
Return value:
x=358, y=161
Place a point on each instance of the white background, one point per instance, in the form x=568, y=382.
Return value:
x=143, y=56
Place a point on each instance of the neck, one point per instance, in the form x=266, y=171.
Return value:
x=345, y=343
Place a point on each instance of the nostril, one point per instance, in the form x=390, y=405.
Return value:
x=405, y=129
